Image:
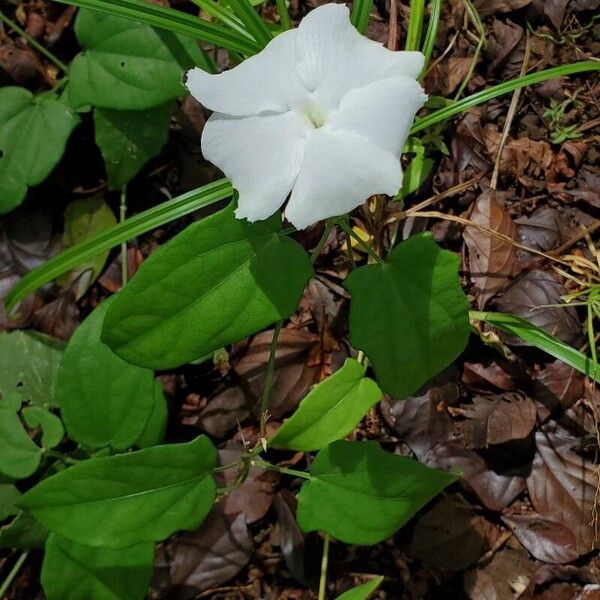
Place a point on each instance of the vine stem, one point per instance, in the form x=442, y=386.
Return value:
x=270, y=467
x=34, y=43
x=351, y=234
x=324, y=565
x=13, y=573
x=122, y=216
x=264, y=403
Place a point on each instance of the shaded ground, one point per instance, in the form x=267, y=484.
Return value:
x=520, y=426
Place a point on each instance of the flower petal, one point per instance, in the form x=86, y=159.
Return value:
x=339, y=172
x=266, y=82
x=261, y=156
x=332, y=57
x=382, y=111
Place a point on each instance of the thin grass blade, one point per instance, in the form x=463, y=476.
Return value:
x=361, y=10
x=255, y=26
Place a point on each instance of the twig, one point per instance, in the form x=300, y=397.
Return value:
x=512, y=110
x=457, y=189
x=393, y=29
x=13, y=573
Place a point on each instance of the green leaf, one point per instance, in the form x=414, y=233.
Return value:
x=415, y=174
x=172, y=20
x=362, y=592
x=52, y=427
x=103, y=400
x=29, y=362
x=541, y=339
x=154, y=431
x=33, y=135
x=9, y=495
x=254, y=25
x=119, y=501
x=330, y=411
x=360, y=494
x=20, y=457
x=361, y=11
x=83, y=220
x=215, y=283
x=128, y=139
x=73, y=572
x=409, y=314
x=23, y=532
x=130, y=228
x=127, y=65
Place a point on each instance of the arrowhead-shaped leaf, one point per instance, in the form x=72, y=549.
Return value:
x=360, y=494
x=409, y=315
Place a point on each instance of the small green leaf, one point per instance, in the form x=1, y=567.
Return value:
x=154, y=432
x=19, y=457
x=83, y=220
x=409, y=315
x=360, y=494
x=330, y=411
x=73, y=572
x=52, y=427
x=418, y=169
x=128, y=139
x=29, y=363
x=217, y=282
x=103, y=400
x=127, y=65
x=33, y=135
x=23, y=532
x=128, y=499
x=362, y=592
x=9, y=495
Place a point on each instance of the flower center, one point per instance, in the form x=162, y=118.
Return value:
x=314, y=115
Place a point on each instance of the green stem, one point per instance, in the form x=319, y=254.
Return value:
x=432, y=29
x=474, y=16
x=264, y=404
x=62, y=457
x=319, y=247
x=13, y=573
x=262, y=464
x=324, y=565
x=415, y=25
x=284, y=15
x=350, y=233
x=443, y=114
x=122, y=215
x=34, y=44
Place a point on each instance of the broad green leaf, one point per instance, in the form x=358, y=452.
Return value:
x=127, y=65
x=154, y=431
x=74, y=572
x=23, y=532
x=103, y=400
x=33, y=135
x=330, y=411
x=409, y=315
x=9, y=495
x=52, y=427
x=147, y=220
x=217, y=282
x=29, y=363
x=83, y=220
x=19, y=456
x=128, y=139
x=360, y=494
x=127, y=499
x=418, y=169
x=362, y=592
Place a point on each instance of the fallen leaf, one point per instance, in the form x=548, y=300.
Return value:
x=449, y=536
x=492, y=261
x=542, y=230
x=546, y=540
x=563, y=486
x=447, y=75
x=556, y=387
x=496, y=419
x=533, y=296
x=58, y=318
x=503, y=39
x=555, y=10
x=490, y=7
x=211, y=555
x=483, y=376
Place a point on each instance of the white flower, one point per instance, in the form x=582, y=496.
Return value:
x=322, y=112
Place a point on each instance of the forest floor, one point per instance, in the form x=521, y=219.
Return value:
x=520, y=426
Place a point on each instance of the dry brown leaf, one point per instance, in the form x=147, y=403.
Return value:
x=447, y=75
x=556, y=387
x=483, y=377
x=492, y=261
x=562, y=486
x=504, y=38
x=496, y=419
x=490, y=7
